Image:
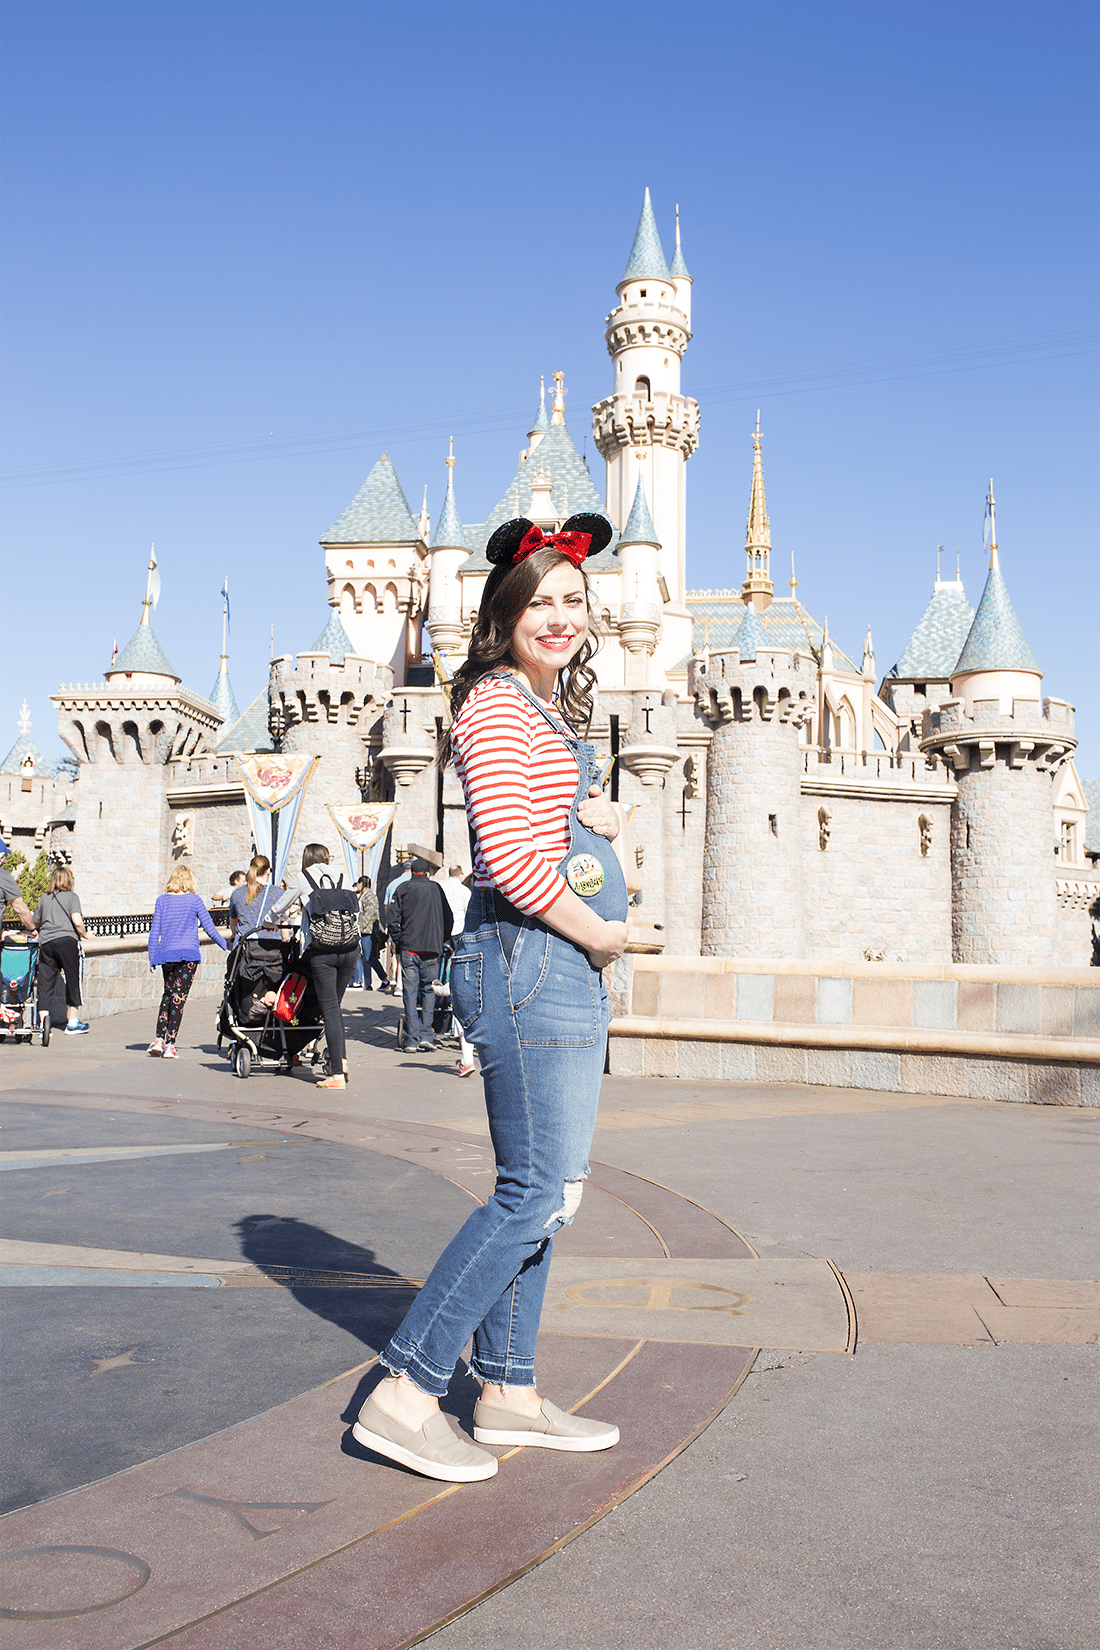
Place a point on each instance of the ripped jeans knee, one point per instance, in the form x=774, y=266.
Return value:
x=571, y=1197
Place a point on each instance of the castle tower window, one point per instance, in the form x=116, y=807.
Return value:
x=1069, y=842
x=641, y=294
x=641, y=387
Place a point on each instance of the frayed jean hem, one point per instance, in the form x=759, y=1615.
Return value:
x=516, y=1372
x=402, y=1359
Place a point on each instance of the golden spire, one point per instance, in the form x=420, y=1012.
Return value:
x=792, y=581
x=757, y=587
x=991, y=528
x=24, y=719
x=557, y=415
x=450, y=459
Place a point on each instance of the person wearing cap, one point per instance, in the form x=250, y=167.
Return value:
x=420, y=923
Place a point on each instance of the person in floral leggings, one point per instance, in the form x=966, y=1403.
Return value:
x=174, y=948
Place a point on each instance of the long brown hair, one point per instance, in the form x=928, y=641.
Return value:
x=509, y=591
x=260, y=864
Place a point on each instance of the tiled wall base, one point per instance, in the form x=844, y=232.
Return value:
x=976, y=1077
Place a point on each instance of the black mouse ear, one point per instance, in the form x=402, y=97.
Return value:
x=598, y=527
x=506, y=540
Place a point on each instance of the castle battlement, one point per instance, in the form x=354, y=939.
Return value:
x=315, y=690
x=770, y=688
x=1040, y=734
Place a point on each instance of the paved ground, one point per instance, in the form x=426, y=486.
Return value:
x=931, y=1490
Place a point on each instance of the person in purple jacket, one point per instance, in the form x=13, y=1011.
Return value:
x=174, y=948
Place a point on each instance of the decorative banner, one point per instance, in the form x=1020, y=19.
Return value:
x=363, y=826
x=271, y=784
x=272, y=781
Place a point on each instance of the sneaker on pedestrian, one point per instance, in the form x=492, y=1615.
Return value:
x=465, y=1071
x=337, y=1081
x=170, y=1051
x=426, y=1048
x=77, y=1028
x=157, y=1047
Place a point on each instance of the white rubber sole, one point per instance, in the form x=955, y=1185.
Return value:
x=545, y=1440
x=419, y=1463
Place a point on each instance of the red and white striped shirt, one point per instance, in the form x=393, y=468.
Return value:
x=519, y=780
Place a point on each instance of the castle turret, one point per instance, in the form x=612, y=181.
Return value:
x=640, y=613
x=756, y=698
x=448, y=552
x=678, y=269
x=646, y=418
x=1002, y=745
x=223, y=699
x=140, y=720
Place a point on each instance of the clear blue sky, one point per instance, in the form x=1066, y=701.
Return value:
x=247, y=247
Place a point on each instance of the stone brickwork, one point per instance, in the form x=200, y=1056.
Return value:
x=881, y=883
x=752, y=856
x=117, y=979
x=983, y=1032
x=1003, y=897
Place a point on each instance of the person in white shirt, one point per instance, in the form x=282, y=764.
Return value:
x=457, y=896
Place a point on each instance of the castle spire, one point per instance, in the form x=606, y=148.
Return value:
x=990, y=530
x=757, y=587
x=541, y=423
x=222, y=697
x=677, y=267
x=557, y=415
x=152, y=585
x=449, y=533
x=647, y=255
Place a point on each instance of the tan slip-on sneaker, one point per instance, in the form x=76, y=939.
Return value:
x=552, y=1429
x=433, y=1449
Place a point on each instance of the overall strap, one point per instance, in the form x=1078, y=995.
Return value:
x=504, y=676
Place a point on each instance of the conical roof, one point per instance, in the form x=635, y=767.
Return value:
x=751, y=635
x=647, y=255
x=639, y=528
x=378, y=514
x=935, y=645
x=142, y=655
x=449, y=534
x=249, y=731
x=223, y=698
x=572, y=492
x=541, y=421
x=333, y=640
x=24, y=746
x=996, y=640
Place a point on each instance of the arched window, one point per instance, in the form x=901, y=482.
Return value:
x=846, y=727
x=642, y=387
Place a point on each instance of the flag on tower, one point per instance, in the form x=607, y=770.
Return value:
x=225, y=598
x=987, y=530
x=152, y=588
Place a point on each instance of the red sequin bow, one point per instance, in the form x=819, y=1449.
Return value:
x=573, y=545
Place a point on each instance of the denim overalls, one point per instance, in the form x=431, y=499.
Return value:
x=536, y=1011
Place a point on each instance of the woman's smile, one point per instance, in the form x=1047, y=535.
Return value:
x=551, y=628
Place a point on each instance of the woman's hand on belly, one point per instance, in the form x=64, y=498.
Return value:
x=598, y=814
x=610, y=947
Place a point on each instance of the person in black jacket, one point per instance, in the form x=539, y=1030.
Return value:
x=419, y=922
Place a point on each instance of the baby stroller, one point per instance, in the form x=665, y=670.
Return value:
x=19, y=1016
x=260, y=1039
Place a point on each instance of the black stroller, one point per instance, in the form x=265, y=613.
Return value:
x=20, y=1018
x=259, y=1039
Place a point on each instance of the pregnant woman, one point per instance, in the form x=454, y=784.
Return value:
x=548, y=913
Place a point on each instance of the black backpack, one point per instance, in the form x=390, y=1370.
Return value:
x=333, y=915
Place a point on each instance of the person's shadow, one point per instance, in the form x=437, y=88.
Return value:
x=310, y=1262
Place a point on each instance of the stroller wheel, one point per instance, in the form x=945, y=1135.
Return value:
x=44, y=1027
x=242, y=1063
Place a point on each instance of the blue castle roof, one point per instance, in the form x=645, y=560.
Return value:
x=573, y=492
x=639, y=528
x=996, y=640
x=333, y=640
x=935, y=645
x=647, y=255
x=378, y=514
x=142, y=655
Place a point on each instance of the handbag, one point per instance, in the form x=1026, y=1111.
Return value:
x=289, y=1000
x=333, y=914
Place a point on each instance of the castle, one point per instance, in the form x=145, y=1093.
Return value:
x=779, y=800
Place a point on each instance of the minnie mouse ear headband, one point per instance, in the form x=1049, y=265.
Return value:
x=580, y=537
